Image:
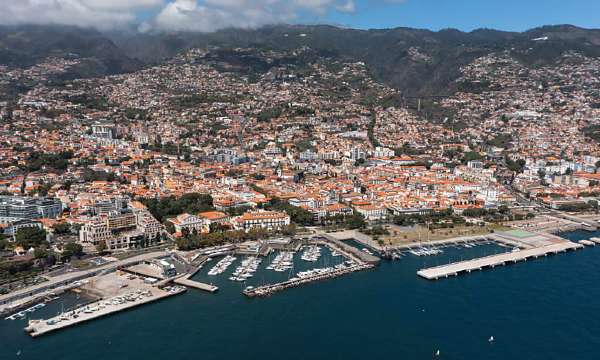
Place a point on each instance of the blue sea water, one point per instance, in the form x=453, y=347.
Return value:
x=541, y=309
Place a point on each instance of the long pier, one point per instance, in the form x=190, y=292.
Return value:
x=40, y=327
x=267, y=290
x=468, y=266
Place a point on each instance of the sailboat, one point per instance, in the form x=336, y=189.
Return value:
x=437, y=353
x=491, y=339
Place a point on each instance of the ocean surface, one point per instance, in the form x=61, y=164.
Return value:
x=540, y=309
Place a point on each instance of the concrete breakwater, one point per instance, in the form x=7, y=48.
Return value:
x=267, y=290
x=99, y=309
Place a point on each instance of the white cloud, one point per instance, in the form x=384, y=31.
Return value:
x=101, y=14
x=210, y=15
x=187, y=15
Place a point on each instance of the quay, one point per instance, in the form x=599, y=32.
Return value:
x=587, y=224
x=196, y=285
x=57, y=284
x=267, y=290
x=348, y=251
x=446, y=242
x=101, y=308
x=185, y=280
x=492, y=261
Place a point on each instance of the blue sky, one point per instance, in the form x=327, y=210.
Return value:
x=514, y=15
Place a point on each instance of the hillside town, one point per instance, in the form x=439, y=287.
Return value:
x=204, y=150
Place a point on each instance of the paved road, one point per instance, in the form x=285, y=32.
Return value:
x=63, y=279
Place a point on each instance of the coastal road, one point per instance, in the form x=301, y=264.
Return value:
x=66, y=278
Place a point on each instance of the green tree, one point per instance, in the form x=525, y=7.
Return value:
x=297, y=214
x=355, y=221
x=72, y=249
x=62, y=228
x=41, y=253
x=170, y=206
x=31, y=236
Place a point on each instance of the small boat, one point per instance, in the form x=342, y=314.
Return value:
x=491, y=339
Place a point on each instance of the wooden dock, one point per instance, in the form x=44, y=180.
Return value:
x=468, y=266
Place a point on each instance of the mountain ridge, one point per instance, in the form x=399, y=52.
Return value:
x=416, y=61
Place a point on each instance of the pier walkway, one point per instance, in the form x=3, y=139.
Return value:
x=454, y=269
x=40, y=327
x=347, y=250
x=195, y=284
x=185, y=281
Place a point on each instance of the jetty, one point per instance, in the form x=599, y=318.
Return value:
x=196, y=284
x=96, y=310
x=348, y=251
x=492, y=261
x=267, y=290
x=187, y=282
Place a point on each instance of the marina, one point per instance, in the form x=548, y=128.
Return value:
x=282, y=262
x=246, y=269
x=222, y=265
x=424, y=251
x=22, y=314
x=328, y=299
x=304, y=278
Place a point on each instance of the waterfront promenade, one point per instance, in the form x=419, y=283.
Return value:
x=468, y=266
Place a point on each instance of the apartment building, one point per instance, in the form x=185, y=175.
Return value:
x=269, y=220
